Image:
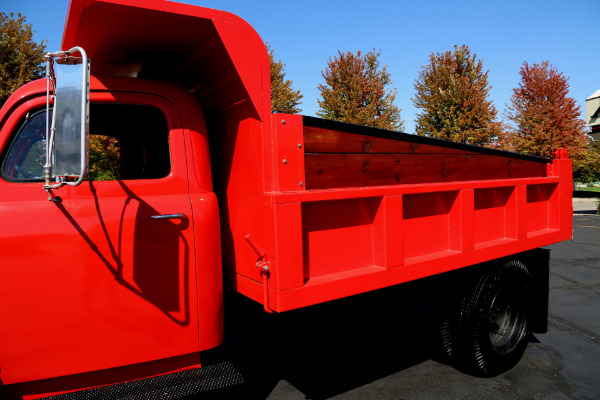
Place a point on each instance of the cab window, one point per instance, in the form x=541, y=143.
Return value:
x=126, y=142
x=27, y=153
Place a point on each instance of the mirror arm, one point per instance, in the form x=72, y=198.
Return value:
x=85, y=109
x=49, y=77
x=50, y=140
x=51, y=128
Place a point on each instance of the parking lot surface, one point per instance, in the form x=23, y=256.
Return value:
x=376, y=346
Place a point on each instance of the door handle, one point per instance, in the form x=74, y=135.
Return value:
x=169, y=216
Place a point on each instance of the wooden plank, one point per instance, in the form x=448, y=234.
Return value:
x=325, y=136
x=319, y=140
x=357, y=170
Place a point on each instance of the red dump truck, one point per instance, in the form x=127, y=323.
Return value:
x=118, y=274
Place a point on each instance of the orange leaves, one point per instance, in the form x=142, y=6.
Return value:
x=452, y=92
x=543, y=118
x=284, y=99
x=20, y=57
x=356, y=91
x=104, y=157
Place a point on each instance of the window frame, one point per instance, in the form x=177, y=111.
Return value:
x=166, y=107
x=13, y=141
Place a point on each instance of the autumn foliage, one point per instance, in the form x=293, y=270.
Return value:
x=357, y=90
x=104, y=158
x=544, y=118
x=452, y=95
x=20, y=57
x=284, y=99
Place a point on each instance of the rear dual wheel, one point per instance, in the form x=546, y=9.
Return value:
x=488, y=331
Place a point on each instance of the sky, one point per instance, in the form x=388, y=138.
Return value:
x=304, y=34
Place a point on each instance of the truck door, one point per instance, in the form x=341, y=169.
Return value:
x=104, y=278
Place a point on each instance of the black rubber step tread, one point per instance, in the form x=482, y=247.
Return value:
x=164, y=387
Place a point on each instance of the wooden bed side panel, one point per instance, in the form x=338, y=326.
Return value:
x=321, y=140
x=353, y=170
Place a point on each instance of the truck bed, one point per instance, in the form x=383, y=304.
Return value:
x=356, y=209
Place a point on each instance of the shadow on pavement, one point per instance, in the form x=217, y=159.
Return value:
x=585, y=212
x=585, y=194
x=327, y=349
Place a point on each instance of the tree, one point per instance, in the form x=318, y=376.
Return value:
x=452, y=93
x=104, y=158
x=20, y=57
x=284, y=99
x=544, y=118
x=357, y=91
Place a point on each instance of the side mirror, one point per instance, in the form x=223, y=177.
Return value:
x=67, y=135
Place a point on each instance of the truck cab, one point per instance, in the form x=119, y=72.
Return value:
x=125, y=269
x=144, y=233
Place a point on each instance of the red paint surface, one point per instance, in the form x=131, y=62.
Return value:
x=93, y=283
x=94, y=292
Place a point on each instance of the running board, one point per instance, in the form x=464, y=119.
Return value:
x=164, y=387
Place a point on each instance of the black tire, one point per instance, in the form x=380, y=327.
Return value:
x=443, y=345
x=490, y=331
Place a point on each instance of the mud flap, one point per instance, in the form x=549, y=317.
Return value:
x=538, y=263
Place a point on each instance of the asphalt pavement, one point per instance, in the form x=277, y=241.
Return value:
x=377, y=346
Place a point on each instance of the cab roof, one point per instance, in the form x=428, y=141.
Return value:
x=214, y=55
